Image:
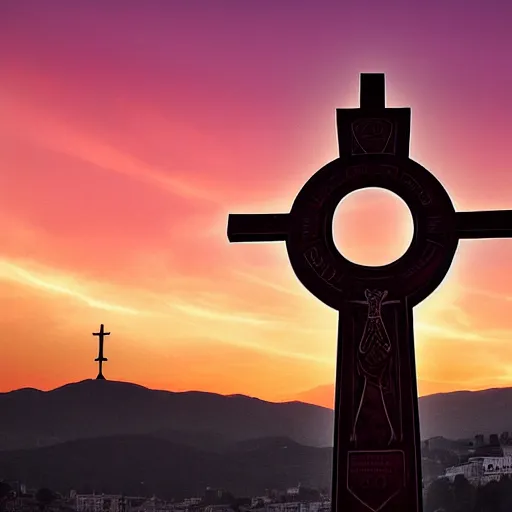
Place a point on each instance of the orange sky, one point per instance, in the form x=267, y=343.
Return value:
x=126, y=141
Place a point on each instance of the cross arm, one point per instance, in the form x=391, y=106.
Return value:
x=484, y=224
x=273, y=227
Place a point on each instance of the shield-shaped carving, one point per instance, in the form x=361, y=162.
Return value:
x=372, y=136
x=375, y=477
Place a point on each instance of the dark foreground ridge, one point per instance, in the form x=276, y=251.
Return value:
x=119, y=464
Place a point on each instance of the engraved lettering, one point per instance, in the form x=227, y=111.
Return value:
x=427, y=255
x=416, y=188
x=306, y=227
x=357, y=170
x=387, y=170
x=375, y=477
x=434, y=225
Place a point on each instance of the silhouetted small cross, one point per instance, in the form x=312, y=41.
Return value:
x=100, y=359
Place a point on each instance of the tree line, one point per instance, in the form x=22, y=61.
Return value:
x=460, y=496
x=43, y=498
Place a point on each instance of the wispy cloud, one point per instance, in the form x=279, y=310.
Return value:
x=487, y=294
x=59, y=285
x=267, y=283
x=227, y=318
x=448, y=332
x=43, y=128
x=111, y=159
x=211, y=314
x=269, y=349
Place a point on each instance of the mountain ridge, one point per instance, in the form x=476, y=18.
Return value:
x=96, y=408
x=197, y=418
x=323, y=395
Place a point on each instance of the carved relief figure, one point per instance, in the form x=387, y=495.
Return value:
x=374, y=357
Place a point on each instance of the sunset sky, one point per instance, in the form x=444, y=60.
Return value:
x=129, y=130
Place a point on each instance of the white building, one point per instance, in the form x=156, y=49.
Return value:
x=107, y=503
x=299, y=507
x=293, y=491
x=98, y=502
x=260, y=499
x=481, y=470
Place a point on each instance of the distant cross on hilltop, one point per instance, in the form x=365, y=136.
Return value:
x=101, y=335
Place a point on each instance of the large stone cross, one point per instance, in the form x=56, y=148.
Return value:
x=377, y=462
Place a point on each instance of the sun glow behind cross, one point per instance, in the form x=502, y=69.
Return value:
x=372, y=227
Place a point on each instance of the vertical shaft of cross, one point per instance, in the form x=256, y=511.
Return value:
x=376, y=443
x=376, y=462
x=101, y=337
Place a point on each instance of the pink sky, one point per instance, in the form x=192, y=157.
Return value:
x=128, y=135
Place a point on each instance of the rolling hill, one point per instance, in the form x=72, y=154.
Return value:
x=118, y=437
x=145, y=465
x=455, y=415
x=92, y=408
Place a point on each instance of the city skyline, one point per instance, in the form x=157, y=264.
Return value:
x=123, y=153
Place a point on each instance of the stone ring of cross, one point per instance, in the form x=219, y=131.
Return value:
x=377, y=460
x=307, y=230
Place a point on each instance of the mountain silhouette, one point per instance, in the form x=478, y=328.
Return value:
x=146, y=465
x=95, y=408
x=213, y=423
x=319, y=395
x=455, y=415
x=324, y=395
x=463, y=414
x=108, y=436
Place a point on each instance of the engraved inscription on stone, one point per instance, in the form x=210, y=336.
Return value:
x=434, y=225
x=375, y=477
x=426, y=257
x=372, y=136
x=310, y=229
x=416, y=188
x=387, y=170
x=356, y=170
